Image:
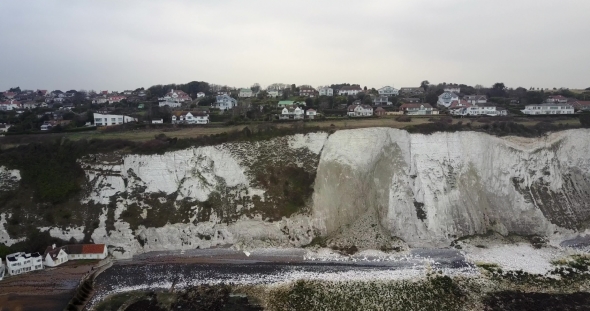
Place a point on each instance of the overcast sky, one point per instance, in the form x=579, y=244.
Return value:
x=117, y=45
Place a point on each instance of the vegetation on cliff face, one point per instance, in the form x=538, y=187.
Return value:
x=53, y=185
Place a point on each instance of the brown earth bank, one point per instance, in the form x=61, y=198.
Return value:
x=48, y=289
x=520, y=301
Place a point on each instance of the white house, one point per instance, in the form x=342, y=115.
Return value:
x=291, y=113
x=199, y=117
x=170, y=102
x=54, y=257
x=273, y=93
x=21, y=262
x=480, y=110
x=418, y=109
x=85, y=251
x=350, y=90
x=158, y=121
x=30, y=105
x=326, y=91
x=446, y=98
x=476, y=99
x=557, y=99
x=452, y=89
x=245, y=93
x=111, y=119
x=360, y=111
x=100, y=100
x=311, y=114
x=388, y=91
x=200, y=95
x=46, y=126
x=4, y=127
x=548, y=108
x=175, y=95
x=381, y=100
x=225, y=102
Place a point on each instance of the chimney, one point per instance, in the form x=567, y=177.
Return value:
x=53, y=246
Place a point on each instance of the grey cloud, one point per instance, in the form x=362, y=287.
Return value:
x=117, y=45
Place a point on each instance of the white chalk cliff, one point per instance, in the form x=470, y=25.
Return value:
x=375, y=184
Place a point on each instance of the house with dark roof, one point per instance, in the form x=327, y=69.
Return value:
x=418, y=109
x=191, y=117
x=86, y=251
x=557, y=99
x=380, y=112
x=350, y=90
x=307, y=91
x=411, y=90
x=410, y=100
x=54, y=256
x=291, y=113
x=359, y=110
x=476, y=99
x=381, y=100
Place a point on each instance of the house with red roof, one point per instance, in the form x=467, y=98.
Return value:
x=175, y=95
x=116, y=99
x=55, y=256
x=307, y=91
x=359, y=110
x=581, y=104
x=10, y=105
x=9, y=95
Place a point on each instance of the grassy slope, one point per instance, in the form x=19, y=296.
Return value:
x=193, y=132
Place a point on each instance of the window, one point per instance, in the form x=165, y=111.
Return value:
x=113, y=120
x=98, y=119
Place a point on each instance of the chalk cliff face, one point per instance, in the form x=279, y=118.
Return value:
x=371, y=188
x=431, y=189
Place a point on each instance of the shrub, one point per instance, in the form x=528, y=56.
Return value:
x=403, y=119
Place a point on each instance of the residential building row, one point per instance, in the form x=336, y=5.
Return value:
x=21, y=262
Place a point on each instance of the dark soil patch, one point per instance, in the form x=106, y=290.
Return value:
x=508, y=301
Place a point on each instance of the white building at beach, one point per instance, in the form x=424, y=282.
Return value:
x=19, y=263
